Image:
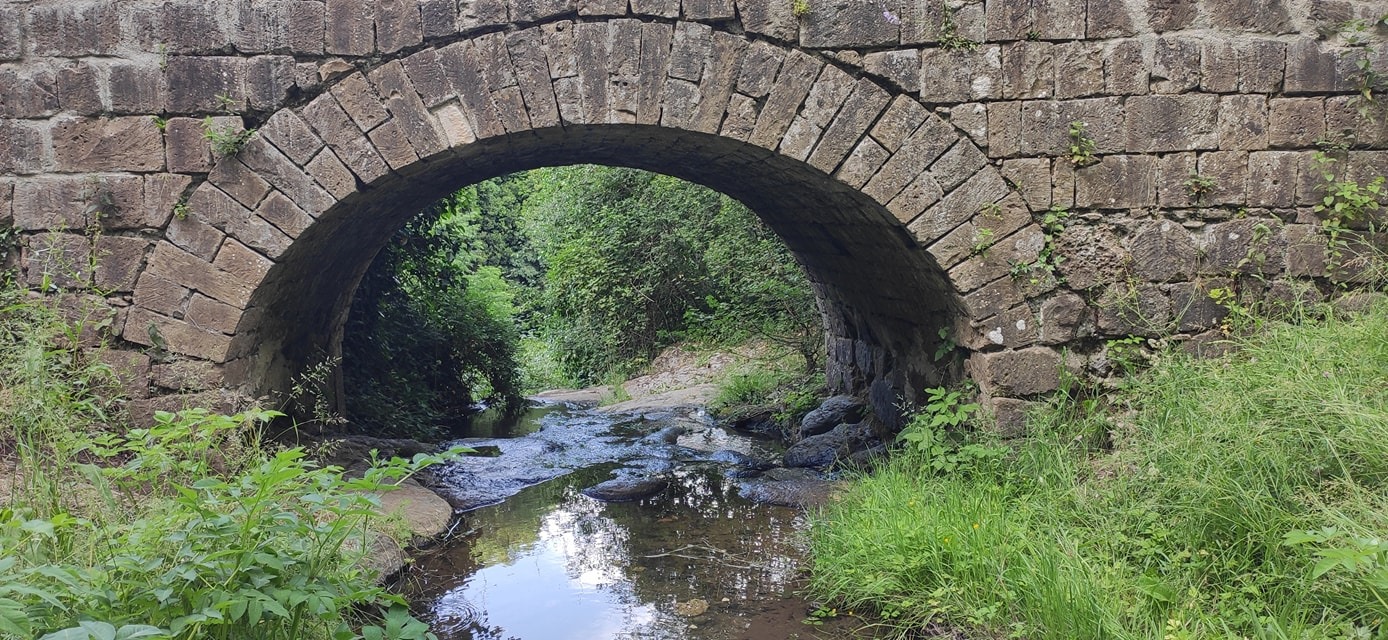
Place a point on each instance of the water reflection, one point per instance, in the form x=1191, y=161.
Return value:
x=549, y=563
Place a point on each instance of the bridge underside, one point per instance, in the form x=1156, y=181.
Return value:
x=882, y=297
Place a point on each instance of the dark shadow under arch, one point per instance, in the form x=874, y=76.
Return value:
x=882, y=296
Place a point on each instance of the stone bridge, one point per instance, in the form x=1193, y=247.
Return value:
x=917, y=156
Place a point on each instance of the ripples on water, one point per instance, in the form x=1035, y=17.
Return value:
x=545, y=562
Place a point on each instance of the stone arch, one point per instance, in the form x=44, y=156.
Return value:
x=857, y=181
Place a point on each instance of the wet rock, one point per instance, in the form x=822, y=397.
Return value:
x=760, y=421
x=668, y=435
x=424, y=513
x=626, y=489
x=867, y=459
x=801, y=493
x=834, y=411
x=691, y=608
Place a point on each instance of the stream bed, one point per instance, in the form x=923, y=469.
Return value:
x=535, y=558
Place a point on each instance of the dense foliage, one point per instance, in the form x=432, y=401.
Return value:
x=1244, y=497
x=431, y=330
x=561, y=277
x=186, y=528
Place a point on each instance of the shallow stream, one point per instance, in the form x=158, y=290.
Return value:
x=537, y=559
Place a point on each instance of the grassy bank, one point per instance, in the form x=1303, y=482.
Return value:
x=1244, y=497
x=187, y=528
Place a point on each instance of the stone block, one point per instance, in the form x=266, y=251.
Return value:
x=1219, y=66
x=1021, y=19
x=11, y=33
x=1020, y=372
x=76, y=202
x=331, y=174
x=1117, y=182
x=1126, y=71
x=307, y=28
x=209, y=204
x=1171, y=15
x=799, y=139
x=1243, y=122
x=1261, y=65
x=912, y=159
x=1192, y=307
x=961, y=75
x=1093, y=256
x=268, y=81
x=1173, y=170
x=72, y=30
x=209, y=315
x=1295, y=122
x=689, y=50
x=592, y=45
x=1080, y=68
x=1046, y=125
x=1248, y=245
x=28, y=92
x=131, y=143
x=58, y=259
x=900, y=67
x=398, y=25
x=185, y=375
x=1306, y=250
x=1172, y=123
x=239, y=182
x=901, y=119
x=360, y=102
x=994, y=298
x=1343, y=119
x=742, y=118
x=862, y=163
x=393, y=146
x=793, y=83
x=1229, y=172
x=1312, y=68
x=160, y=294
x=972, y=119
x=720, y=74
x=136, y=88
x=1031, y=177
x=242, y=262
x=537, y=10
x=1126, y=309
x=195, y=237
x=1176, y=65
x=132, y=371
x=654, y=67
x=1064, y=317
x=464, y=73
x=76, y=86
x=178, y=336
x=919, y=194
x=1264, y=17
x=6, y=200
x=772, y=19
x=858, y=112
x=118, y=260
x=1162, y=251
x=291, y=136
x=705, y=10
x=259, y=27
x=985, y=188
x=1062, y=183
x=350, y=27
x=1106, y=19
x=1028, y=71
x=1004, y=129
x=1272, y=178
x=163, y=191
x=839, y=24
x=958, y=164
x=187, y=149
x=205, y=84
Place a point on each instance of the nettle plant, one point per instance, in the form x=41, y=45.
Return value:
x=1346, y=201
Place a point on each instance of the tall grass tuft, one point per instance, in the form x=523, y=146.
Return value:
x=1244, y=497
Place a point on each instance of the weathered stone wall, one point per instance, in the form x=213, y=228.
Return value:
x=912, y=153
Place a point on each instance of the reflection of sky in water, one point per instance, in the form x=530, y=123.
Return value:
x=549, y=563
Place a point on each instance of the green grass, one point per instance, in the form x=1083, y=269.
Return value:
x=1177, y=510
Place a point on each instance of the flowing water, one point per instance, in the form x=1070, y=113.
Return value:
x=537, y=559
